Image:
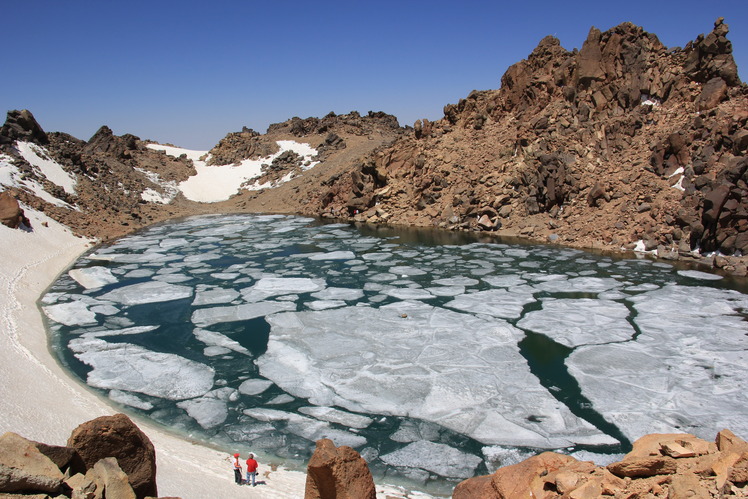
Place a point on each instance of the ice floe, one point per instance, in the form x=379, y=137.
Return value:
x=437, y=458
x=148, y=292
x=337, y=416
x=92, y=277
x=406, y=359
x=128, y=367
x=311, y=429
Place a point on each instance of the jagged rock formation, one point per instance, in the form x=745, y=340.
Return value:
x=235, y=147
x=619, y=142
x=338, y=472
x=21, y=125
x=109, y=457
x=352, y=123
x=659, y=465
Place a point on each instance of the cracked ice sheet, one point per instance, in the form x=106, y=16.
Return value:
x=308, y=428
x=128, y=367
x=93, y=277
x=462, y=372
x=204, y=317
x=437, y=458
x=494, y=302
x=685, y=372
x=148, y=292
x=580, y=322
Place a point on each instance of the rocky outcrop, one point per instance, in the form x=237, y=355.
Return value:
x=338, y=472
x=11, y=214
x=117, y=436
x=238, y=146
x=90, y=470
x=352, y=123
x=659, y=465
x=21, y=125
x=621, y=141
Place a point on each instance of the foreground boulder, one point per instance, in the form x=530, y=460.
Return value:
x=338, y=472
x=659, y=465
x=24, y=469
x=117, y=436
x=11, y=214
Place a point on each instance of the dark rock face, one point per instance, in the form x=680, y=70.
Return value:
x=117, y=436
x=352, y=122
x=21, y=125
x=11, y=214
x=338, y=472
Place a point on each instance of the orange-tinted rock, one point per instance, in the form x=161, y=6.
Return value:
x=643, y=467
x=519, y=480
x=479, y=486
x=338, y=472
x=727, y=441
x=11, y=214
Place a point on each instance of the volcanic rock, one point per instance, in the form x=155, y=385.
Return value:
x=117, y=436
x=21, y=125
x=338, y=472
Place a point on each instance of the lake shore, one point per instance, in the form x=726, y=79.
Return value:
x=42, y=402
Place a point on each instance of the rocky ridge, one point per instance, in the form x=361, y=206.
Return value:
x=621, y=144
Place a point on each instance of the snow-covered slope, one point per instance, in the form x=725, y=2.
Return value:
x=219, y=182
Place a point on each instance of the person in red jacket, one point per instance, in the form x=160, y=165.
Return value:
x=237, y=470
x=251, y=469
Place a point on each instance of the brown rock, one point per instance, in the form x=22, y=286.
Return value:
x=338, y=472
x=687, y=485
x=111, y=482
x=11, y=214
x=24, y=468
x=643, y=467
x=479, y=486
x=519, y=480
x=65, y=458
x=117, y=436
x=712, y=93
x=727, y=441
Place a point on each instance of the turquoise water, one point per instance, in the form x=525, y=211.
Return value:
x=438, y=356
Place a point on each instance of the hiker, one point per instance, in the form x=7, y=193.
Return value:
x=251, y=469
x=237, y=470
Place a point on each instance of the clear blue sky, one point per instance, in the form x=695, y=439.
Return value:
x=189, y=72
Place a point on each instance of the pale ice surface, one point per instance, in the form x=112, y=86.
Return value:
x=207, y=411
x=417, y=366
x=493, y=302
x=254, y=386
x=333, y=415
x=311, y=429
x=697, y=274
x=437, y=458
x=123, y=366
x=93, y=277
x=681, y=379
x=422, y=343
x=574, y=322
x=73, y=313
x=148, y=292
x=205, y=317
x=126, y=398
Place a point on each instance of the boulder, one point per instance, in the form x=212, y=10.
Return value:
x=338, y=472
x=525, y=478
x=712, y=93
x=636, y=467
x=11, y=214
x=24, y=469
x=65, y=458
x=117, y=436
x=111, y=482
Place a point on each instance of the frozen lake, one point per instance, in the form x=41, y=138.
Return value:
x=436, y=356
